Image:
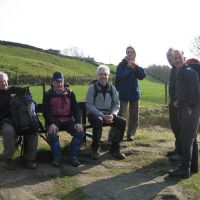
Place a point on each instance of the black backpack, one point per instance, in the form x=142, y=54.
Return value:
x=23, y=115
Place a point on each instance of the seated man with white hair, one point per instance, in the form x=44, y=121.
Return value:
x=8, y=132
x=102, y=104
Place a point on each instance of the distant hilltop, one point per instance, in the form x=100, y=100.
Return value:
x=15, y=44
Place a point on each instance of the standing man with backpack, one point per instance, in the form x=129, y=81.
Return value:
x=8, y=131
x=61, y=112
x=102, y=104
x=187, y=100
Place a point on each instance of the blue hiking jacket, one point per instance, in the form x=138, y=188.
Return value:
x=127, y=81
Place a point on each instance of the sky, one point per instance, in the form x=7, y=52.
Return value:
x=104, y=28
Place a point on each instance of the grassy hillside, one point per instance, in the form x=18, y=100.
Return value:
x=15, y=60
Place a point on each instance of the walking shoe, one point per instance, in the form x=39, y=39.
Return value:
x=95, y=154
x=175, y=157
x=9, y=164
x=117, y=154
x=74, y=162
x=30, y=164
x=130, y=139
x=171, y=152
x=179, y=173
x=56, y=162
x=194, y=169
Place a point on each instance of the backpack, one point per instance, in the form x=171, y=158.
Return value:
x=97, y=90
x=23, y=115
x=195, y=67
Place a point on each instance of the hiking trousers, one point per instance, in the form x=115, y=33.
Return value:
x=133, y=115
x=118, y=124
x=175, y=126
x=189, y=125
x=77, y=140
x=9, y=142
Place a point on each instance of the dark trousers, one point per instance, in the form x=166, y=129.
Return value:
x=175, y=126
x=189, y=126
x=97, y=122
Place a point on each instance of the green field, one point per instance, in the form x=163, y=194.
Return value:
x=152, y=93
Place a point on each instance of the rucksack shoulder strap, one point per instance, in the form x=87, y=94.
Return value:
x=96, y=91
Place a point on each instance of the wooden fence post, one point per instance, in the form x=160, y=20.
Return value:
x=44, y=87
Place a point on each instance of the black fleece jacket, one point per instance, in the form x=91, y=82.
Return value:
x=187, y=87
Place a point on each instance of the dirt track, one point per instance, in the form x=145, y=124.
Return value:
x=101, y=180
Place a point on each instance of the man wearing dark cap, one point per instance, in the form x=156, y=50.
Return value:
x=61, y=112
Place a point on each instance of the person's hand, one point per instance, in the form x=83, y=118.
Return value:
x=176, y=104
x=78, y=127
x=108, y=118
x=52, y=129
x=131, y=64
x=189, y=110
x=12, y=95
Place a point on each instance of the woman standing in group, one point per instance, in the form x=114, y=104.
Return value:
x=127, y=75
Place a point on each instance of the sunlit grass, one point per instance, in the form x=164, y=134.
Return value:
x=153, y=94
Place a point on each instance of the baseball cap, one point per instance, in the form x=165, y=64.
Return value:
x=58, y=76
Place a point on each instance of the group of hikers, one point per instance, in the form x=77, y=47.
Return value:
x=108, y=104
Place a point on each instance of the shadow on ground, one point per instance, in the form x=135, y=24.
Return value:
x=142, y=184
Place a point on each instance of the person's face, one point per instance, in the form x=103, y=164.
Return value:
x=170, y=58
x=59, y=85
x=3, y=83
x=178, y=59
x=103, y=77
x=130, y=53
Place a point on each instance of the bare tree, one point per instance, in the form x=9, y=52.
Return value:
x=74, y=52
x=78, y=53
x=196, y=46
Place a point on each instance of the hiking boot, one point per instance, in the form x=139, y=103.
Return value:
x=118, y=154
x=171, y=152
x=175, y=157
x=9, y=164
x=74, y=162
x=56, y=162
x=179, y=173
x=95, y=154
x=30, y=164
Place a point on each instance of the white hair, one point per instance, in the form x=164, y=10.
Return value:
x=4, y=75
x=103, y=68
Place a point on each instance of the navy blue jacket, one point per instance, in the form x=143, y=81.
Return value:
x=187, y=87
x=127, y=81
